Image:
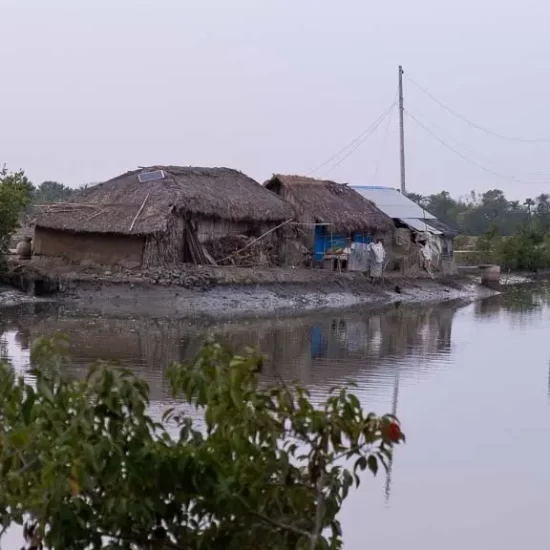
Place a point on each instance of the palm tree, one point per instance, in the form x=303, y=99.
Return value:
x=529, y=203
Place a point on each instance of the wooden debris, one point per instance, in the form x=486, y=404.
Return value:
x=258, y=239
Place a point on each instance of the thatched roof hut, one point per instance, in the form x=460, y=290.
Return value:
x=328, y=202
x=157, y=215
x=112, y=206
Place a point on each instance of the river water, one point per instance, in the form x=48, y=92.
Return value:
x=470, y=384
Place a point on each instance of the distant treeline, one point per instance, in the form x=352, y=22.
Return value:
x=490, y=211
x=52, y=191
x=49, y=192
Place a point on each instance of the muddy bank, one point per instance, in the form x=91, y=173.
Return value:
x=260, y=300
x=201, y=291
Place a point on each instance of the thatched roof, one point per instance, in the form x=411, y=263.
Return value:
x=111, y=207
x=330, y=202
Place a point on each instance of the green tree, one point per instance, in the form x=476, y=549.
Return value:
x=543, y=203
x=82, y=465
x=526, y=250
x=542, y=211
x=15, y=195
x=418, y=199
x=477, y=214
x=51, y=191
x=445, y=208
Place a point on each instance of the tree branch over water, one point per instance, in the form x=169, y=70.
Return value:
x=82, y=460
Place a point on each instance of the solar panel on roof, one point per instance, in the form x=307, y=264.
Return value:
x=154, y=175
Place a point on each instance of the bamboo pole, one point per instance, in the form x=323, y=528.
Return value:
x=138, y=213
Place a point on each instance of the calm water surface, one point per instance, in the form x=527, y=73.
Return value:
x=469, y=383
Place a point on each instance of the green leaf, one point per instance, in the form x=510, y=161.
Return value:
x=354, y=401
x=360, y=463
x=26, y=409
x=373, y=464
x=45, y=392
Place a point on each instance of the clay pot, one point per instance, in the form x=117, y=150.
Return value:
x=24, y=249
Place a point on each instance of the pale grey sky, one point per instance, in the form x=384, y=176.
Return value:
x=89, y=89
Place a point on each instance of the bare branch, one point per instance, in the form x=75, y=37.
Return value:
x=165, y=544
x=320, y=510
x=274, y=522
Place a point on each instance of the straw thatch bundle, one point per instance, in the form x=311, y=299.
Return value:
x=323, y=201
x=124, y=205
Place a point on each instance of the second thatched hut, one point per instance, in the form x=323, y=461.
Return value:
x=330, y=215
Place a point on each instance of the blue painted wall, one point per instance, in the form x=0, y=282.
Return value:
x=324, y=240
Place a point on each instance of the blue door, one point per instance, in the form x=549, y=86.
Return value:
x=319, y=244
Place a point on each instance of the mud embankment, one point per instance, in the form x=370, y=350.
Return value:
x=197, y=291
x=260, y=300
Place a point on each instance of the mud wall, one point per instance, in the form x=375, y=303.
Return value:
x=90, y=247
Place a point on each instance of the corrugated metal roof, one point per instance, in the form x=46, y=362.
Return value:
x=393, y=203
x=419, y=225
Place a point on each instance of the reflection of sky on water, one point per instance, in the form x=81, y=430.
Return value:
x=14, y=349
x=470, y=385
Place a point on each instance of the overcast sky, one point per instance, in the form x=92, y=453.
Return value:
x=89, y=89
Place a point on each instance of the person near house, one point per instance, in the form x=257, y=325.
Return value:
x=426, y=256
x=377, y=260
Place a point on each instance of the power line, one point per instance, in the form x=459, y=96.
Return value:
x=357, y=139
x=535, y=173
x=469, y=160
x=383, y=148
x=372, y=130
x=473, y=124
x=456, y=142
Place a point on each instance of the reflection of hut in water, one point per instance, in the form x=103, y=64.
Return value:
x=323, y=350
x=318, y=350
x=285, y=344
x=374, y=341
x=146, y=346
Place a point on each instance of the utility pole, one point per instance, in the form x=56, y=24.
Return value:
x=401, y=132
x=394, y=412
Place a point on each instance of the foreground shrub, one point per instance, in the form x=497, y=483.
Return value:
x=15, y=195
x=83, y=465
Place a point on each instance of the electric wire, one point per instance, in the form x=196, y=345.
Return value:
x=469, y=160
x=440, y=128
x=536, y=173
x=373, y=128
x=359, y=138
x=468, y=121
x=383, y=148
